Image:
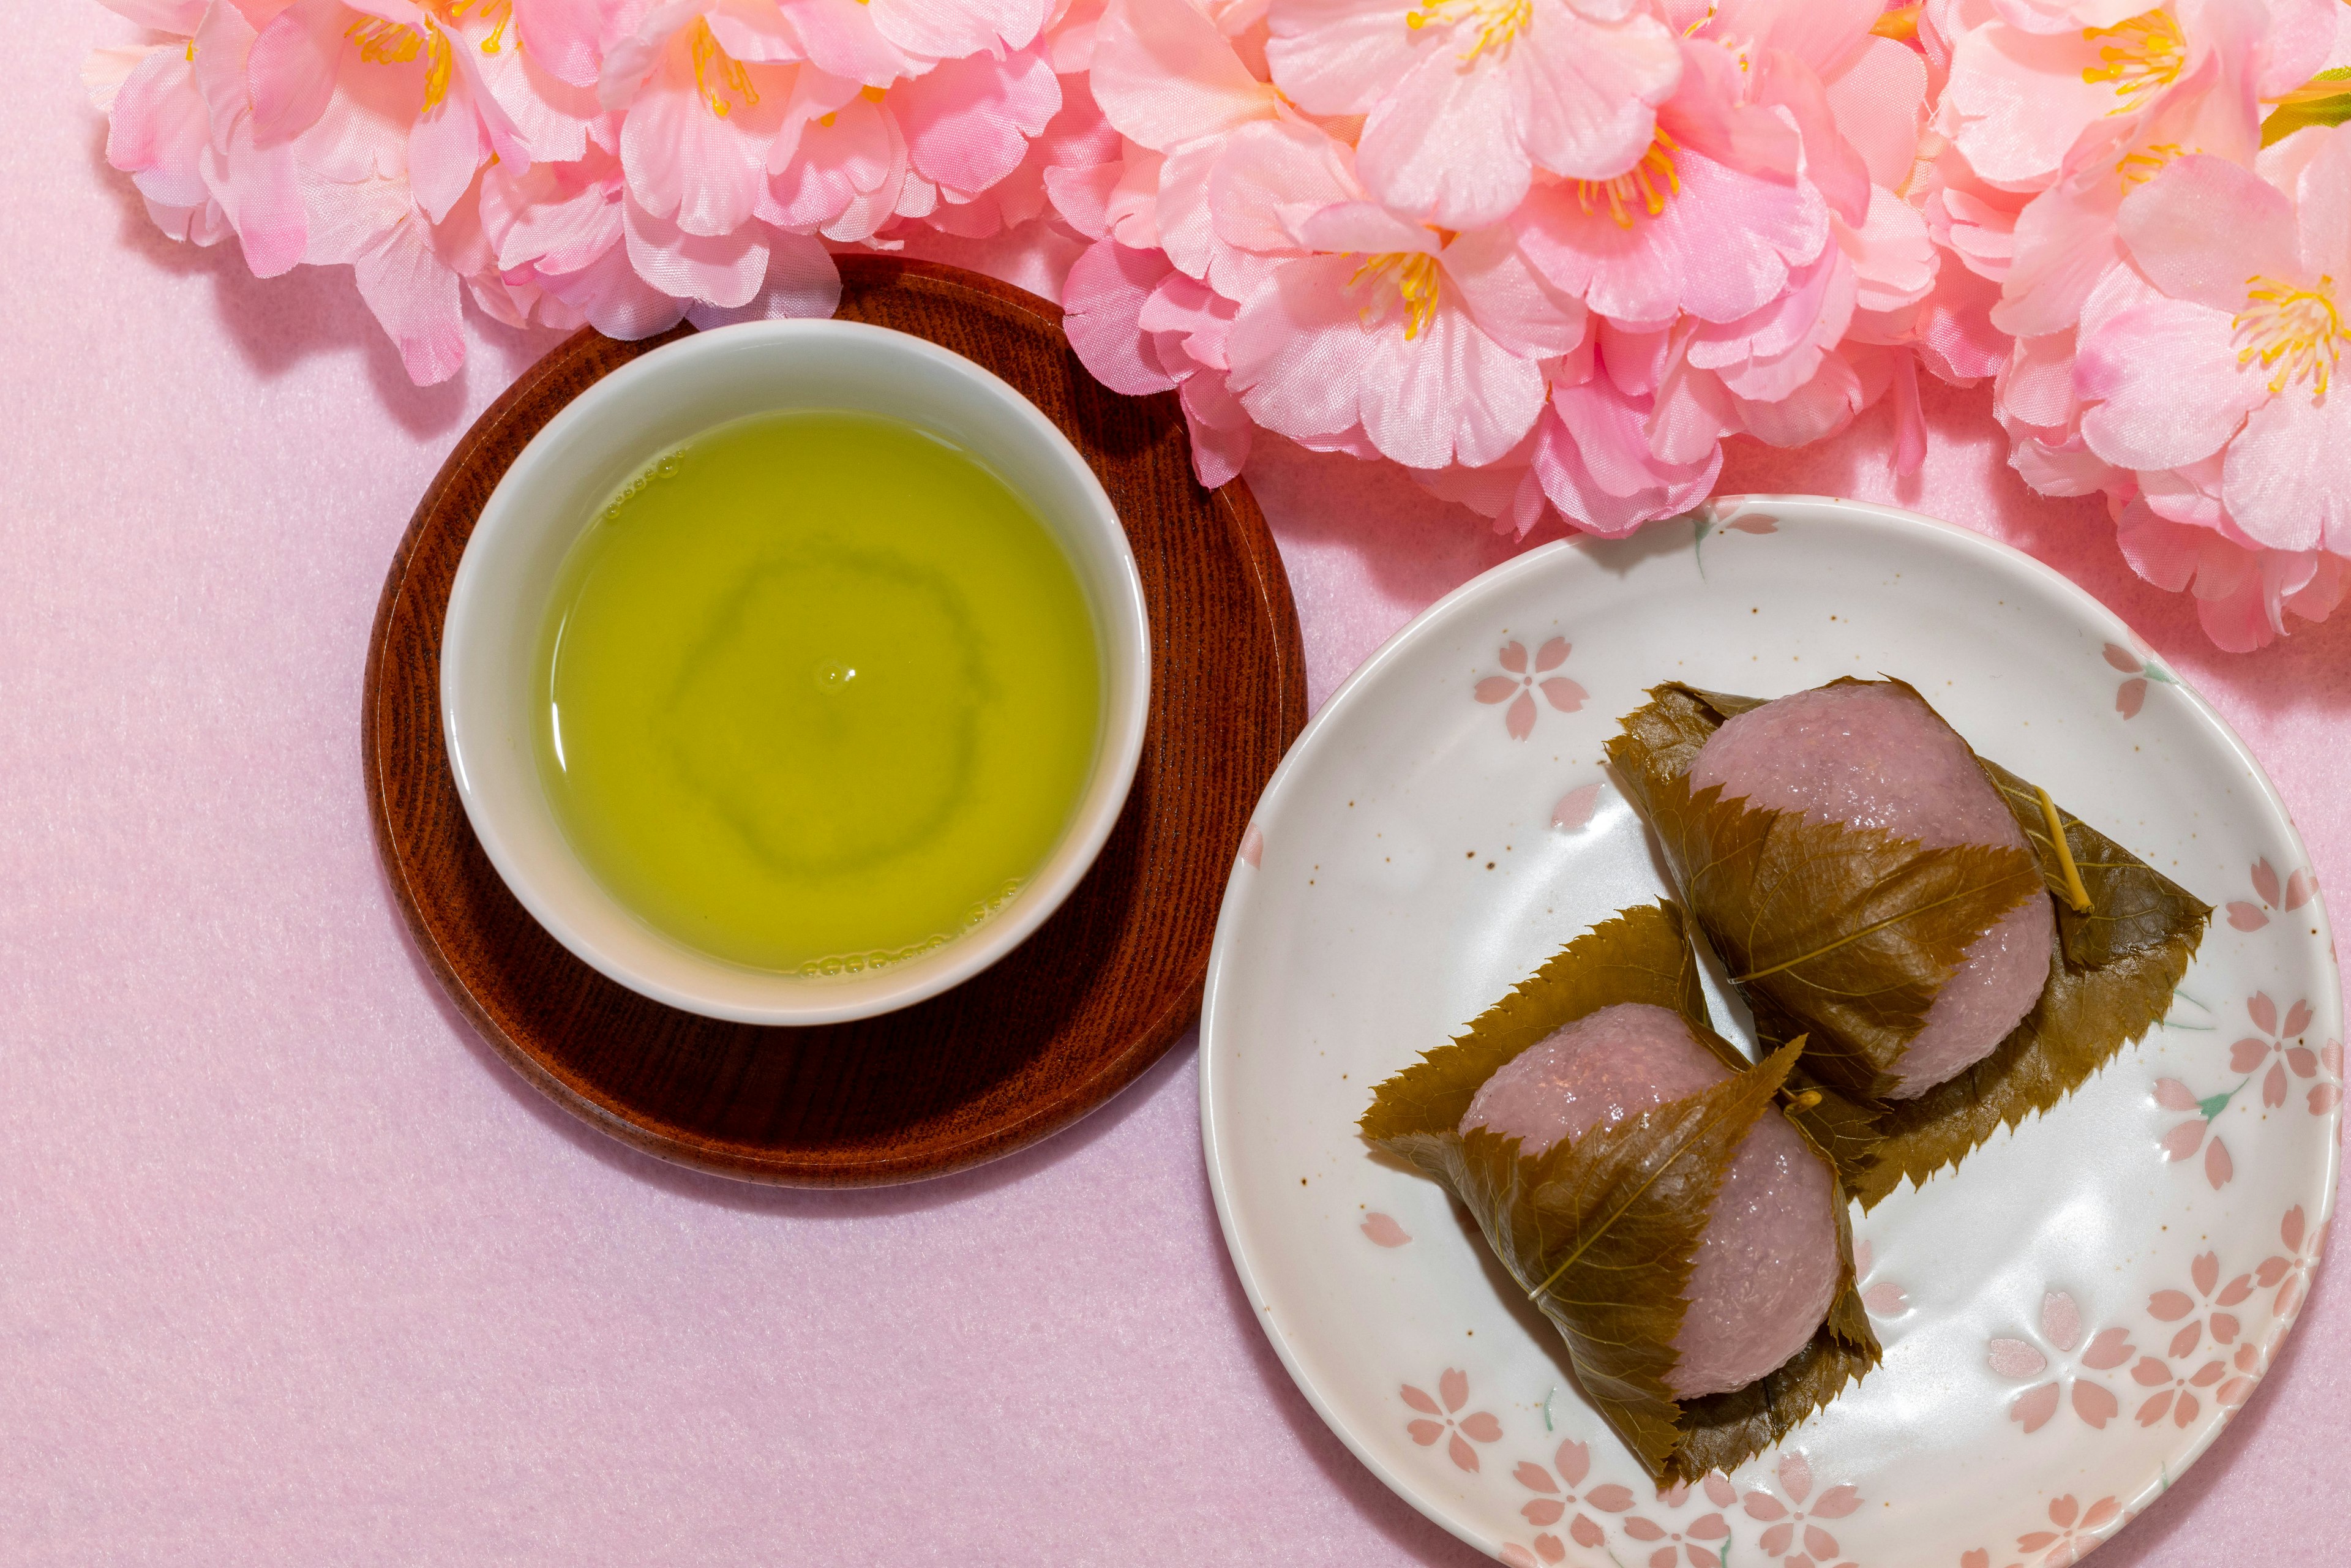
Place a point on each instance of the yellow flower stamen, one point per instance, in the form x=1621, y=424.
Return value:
x=1901, y=23
x=2147, y=54
x=383, y=43
x=2137, y=168
x=498, y=12
x=2297, y=332
x=1416, y=282
x=1498, y=22
x=731, y=75
x=1646, y=185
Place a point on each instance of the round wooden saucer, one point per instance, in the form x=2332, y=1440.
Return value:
x=1025, y=1049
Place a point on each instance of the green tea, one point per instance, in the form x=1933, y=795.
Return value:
x=821, y=692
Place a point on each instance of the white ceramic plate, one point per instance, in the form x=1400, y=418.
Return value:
x=2068, y=1319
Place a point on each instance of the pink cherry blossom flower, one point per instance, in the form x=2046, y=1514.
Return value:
x=1693, y=1543
x=1793, y=1529
x=2061, y=1331
x=1440, y=1420
x=1518, y=686
x=1424, y=345
x=2223, y=335
x=2021, y=94
x=2281, y=1045
x=2205, y=1309
x=1556, y=1497
x=1465, y=99
x=2288, y=1275
x=1645, y=245
x=2176, y=1391
x=2078, y=1530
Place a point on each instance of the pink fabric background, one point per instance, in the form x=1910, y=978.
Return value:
x=294, y=1270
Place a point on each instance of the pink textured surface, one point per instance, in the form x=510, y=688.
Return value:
x=293, y=1270
x=1766, y=1268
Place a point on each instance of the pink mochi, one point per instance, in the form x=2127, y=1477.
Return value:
x=1875, y=757
x=1767, y=1268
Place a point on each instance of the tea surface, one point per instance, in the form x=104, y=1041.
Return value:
x=821, y=692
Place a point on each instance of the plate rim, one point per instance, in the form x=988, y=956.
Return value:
x=1715, y=511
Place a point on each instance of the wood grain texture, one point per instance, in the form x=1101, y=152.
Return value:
x=1026, y=1048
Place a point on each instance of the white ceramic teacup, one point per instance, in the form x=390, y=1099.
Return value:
x=553, y=491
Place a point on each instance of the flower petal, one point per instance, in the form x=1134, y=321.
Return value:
x=1519, y=720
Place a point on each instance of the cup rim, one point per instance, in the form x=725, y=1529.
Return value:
x=775, y=997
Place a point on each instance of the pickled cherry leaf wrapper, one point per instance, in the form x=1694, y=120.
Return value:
x=1841, y=934
x=1600, y=1230
x=2111, y=977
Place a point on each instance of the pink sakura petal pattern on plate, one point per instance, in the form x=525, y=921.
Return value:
x=1718, y=1490
x=1463, y=1456
x=1574, y=1462
x=2265, y=883
x=1818, y=1541
x=2218, y=1166
x=2324, y=1098
x=1420, y=1401
x=1762, y=1505
x=1796, y=1475
x=2247, y=1053
x=1520, y=718
x=2015, y=1358
x=2274, y=1086
x=2247, y=917
x=2061, y=1319
x=2122, y=659
x=2298, y=1018
x=1564, y=694
x=2108, y=1350
x=2183, y=1140
x=1544, y=1510
x=2033, y=1407
x=2169, y=1306
x=1495, y=689
x=1752, y=523
x=2298, y=889
x=1576, y=807
x=1640, y=1528
x=2155, y=1409
x=1482, y=1427
x=1514, y=658
x=1886, y=1299
x=1426, y=1432
x=1516, y=1557
x=2150, y=1373
x=2303, y=1060
x=1452, y=1388
x=1837, y=1501
x=2173, y=1095
x=1586, y=1533
x=1610, y=1499
x=2130, y=697
x=1551, y=655
x=2263, y=1011
x=1776, y=1540
x=1253, y=851
x=1708, y=1527
x=1383, y=1230
x=2094, y=1403
x=1534, y=1478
